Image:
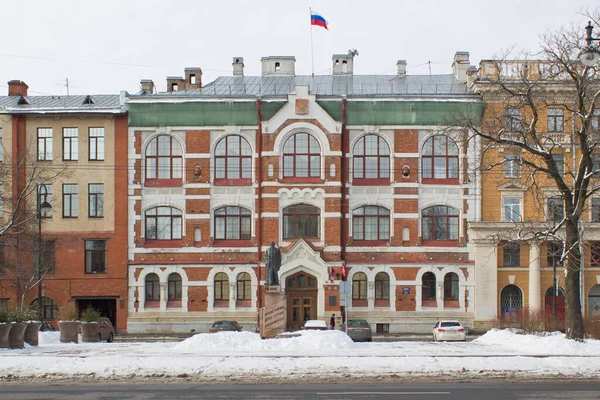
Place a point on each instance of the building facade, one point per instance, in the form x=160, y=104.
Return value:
x=514, y=273
x=357, y=179
x=71, y=151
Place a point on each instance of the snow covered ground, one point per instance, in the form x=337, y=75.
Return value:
x=325, y=356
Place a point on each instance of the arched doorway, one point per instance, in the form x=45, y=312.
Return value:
x=594, y=301
x=301, y=293
x=511, y=300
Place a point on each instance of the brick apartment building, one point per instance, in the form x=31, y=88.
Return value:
x=341, y=171
x=74, y=147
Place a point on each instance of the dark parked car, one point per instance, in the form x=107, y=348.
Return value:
x=225, y=326
x=359, y=330
x=106, y=330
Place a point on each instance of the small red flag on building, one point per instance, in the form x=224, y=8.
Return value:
x=343, y=270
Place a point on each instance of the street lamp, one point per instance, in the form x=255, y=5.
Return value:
x=42, y=207
x=590, y=54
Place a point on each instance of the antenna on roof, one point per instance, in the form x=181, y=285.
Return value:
x=67, y=85
x=429, y=63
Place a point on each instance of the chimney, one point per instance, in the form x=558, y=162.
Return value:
x=175, y=84
x=460, y=65
x=193, y=78
x=401, y=67
x=238, y=66
x=147, y=86
x=343, y=64
x=278, y=65
x=17, y=88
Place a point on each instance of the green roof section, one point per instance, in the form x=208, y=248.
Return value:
x=236, y=113
x=405, y=112
x=222, y=113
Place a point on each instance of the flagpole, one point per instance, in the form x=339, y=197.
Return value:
x=312, y=56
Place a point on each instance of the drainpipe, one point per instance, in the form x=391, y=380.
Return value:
x=259, y=238
x=343, y=203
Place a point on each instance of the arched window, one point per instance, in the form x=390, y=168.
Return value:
x=232, y=223
x=511, y=300
x=301, y=157
x=152, y=287
x=440, y=160
x=428, y=286
x=221, y=287
x=244, y=286
x=451, y=286
x=382, y=286
x=371, y=160
x=439, y=223
x=371, y=223
x=359, y=286
x=163, y=223
x=174, y=287
x=49, y=309
x=301, y=221
x=164, y=162
x=233, y=160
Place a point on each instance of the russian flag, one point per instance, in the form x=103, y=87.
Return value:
x=317, y=19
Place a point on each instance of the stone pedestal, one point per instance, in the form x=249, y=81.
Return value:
x=273, y=314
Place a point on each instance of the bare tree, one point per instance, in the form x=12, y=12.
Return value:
x=27, y=259
x=519, y=90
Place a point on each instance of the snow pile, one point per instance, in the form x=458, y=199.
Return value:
x=247, y=342
x=553, y=343
x=49, y=338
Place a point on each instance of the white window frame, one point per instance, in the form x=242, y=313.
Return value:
x=517, y=202
x=512, y=165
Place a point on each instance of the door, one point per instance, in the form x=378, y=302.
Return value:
x=301, y=293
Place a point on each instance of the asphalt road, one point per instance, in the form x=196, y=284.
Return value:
x=459, y=391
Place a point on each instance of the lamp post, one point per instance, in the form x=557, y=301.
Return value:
x=590, y=54
x=41, y=207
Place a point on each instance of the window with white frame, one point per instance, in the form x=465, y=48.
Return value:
x=96, y=144
x=44, y=142
x=595, y=209
x=96, y=200
x=512, y=166
x=596, y=120
x=70, y=144
x=556, y=211
x=559, y=160
x=512, y=209
x=512, y=119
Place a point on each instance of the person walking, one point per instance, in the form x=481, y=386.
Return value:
x=332, y=322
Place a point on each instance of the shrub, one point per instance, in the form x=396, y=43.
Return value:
x=90, y=314
x=4, y=316
x=17, y=315
x=69, y=313
x=535, y=321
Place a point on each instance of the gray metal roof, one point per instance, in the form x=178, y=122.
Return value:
x=107, y=103
x=326, y=85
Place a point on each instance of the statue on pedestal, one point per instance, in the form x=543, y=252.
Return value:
x=272, y=264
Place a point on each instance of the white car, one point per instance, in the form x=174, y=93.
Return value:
x=449, y=330
x=315, y=324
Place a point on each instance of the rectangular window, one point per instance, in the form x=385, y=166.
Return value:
x=595, y=209
x=1, y=147
x=48, y=265
x=96, y=200
x=596, y=120
x=512, y=209
x=512, y=254
x=45, y=194
x=512, y=119
x=70, y=201
x=596, y=165
x=95, y=256
x=595, y=254
x=70, y=144
x=96, y=144
x=556, y=120
x=512, y=166
x=556, y=210
x=44, y=142
x=559, y=160
x=553, y=253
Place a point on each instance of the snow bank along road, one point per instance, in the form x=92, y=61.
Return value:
x=316, y=357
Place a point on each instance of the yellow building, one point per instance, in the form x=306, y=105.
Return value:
x=516, y=267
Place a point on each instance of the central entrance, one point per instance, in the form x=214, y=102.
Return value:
x=301, y=293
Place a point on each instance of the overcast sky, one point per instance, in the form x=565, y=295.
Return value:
x=107, y=46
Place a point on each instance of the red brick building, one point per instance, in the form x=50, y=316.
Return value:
x=341, y=170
